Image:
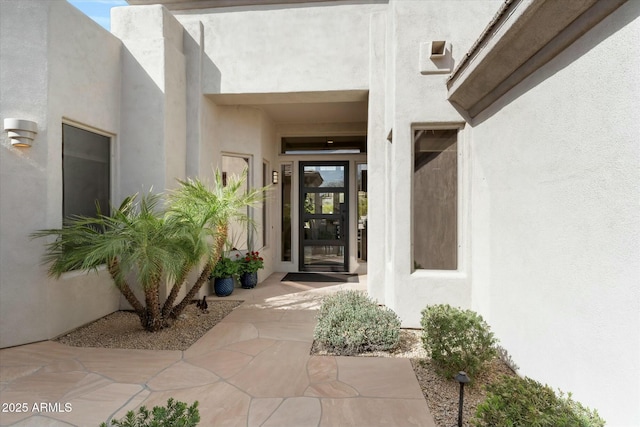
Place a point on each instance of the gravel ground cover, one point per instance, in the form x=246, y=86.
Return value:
x=442, y=395
x=122, y=329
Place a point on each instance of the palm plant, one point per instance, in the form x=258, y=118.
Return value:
x=138, y=239
x=134, y=239
x=209, y=211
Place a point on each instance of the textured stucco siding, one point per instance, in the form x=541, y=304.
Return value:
x=555, y=219
x=50, y=73
x=413, y=99
x=276, y=49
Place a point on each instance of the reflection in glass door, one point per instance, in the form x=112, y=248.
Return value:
x=324, y=216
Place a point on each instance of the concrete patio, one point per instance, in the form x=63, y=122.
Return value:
x=252, y=369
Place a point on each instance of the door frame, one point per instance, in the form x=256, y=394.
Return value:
x=344, y=267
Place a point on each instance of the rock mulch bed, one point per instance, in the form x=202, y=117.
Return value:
x=442, y=395
x=122, y=329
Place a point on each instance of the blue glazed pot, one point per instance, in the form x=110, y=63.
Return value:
x=223, y=286
x=249, y=280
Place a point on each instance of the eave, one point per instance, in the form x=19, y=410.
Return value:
x=210, y=4
x=522, y=37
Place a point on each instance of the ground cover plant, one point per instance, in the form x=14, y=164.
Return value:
x=349, y=322
x=515, y=401
x=174, y=414
x=457, y=340
x=154, y=239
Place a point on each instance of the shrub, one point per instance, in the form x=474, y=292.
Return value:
x=457, y=340
x=175, y=414
x=515, y=401
x=504, y=355
x=349, y=322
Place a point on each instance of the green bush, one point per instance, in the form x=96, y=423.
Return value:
x=175, y=414
x=350, y=323
x=515, y=401
x=457, y=340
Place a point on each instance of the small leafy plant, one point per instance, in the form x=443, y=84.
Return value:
x=515, y=401
x=225, y=267
x=504, y=355
x=175, y=414
x=457, y=340
x=349, y=322
x=251, y=263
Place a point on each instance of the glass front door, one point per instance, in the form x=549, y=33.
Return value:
x=324, y=216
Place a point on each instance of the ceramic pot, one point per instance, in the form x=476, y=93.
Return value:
x=249, y=280
x=223, y=286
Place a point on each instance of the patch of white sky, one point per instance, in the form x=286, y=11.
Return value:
x=98, y=10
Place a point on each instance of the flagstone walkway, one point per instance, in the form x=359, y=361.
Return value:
x=252, y=369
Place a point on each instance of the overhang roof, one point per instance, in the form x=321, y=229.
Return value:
x=523, y=36
x=207, y=4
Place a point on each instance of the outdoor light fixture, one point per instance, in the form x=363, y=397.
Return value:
x=274, y=177
x=463, y=379
x=21, y=132
x=329, y=141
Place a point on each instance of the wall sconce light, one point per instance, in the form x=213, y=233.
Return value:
x=21, y=132
x=274, y=177
x=463, y=379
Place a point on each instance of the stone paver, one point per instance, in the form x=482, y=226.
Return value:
x=252, y=369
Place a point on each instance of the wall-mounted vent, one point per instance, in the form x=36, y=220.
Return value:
x=435, y=57
x=438, y=49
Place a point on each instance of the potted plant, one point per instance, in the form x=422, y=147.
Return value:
x=222, y=276
x=248, y=268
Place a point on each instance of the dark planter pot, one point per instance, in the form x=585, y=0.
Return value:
x=249, y=280
x=223, y=286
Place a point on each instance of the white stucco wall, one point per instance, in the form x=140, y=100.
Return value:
x=247, y=132
x=416, y=99
x=153, y=149
x=304, y=48
x=50, y=74
x=555, y=220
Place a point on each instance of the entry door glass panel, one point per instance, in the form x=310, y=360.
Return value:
x=323, y=203
x=324, y=216
x=324, y=176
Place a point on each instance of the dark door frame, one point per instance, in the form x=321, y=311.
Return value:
x=344, y=216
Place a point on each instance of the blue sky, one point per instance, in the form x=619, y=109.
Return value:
x=98, y=10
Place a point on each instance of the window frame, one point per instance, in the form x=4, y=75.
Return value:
x=250, y=241
x=460, y=177
x=112, y=163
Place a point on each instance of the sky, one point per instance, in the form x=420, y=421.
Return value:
x=98, y=10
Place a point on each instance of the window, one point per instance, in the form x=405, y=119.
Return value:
x=285, y=178
x=240, y=234
x=265, y=180
x=435, y=199
x=324, y=144
x=86, y=172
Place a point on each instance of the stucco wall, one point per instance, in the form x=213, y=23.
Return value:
x=286, y=49
x=555, y=219
x=246, y=132
x=416, y=99
x=51, y=73
x=154, y=95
